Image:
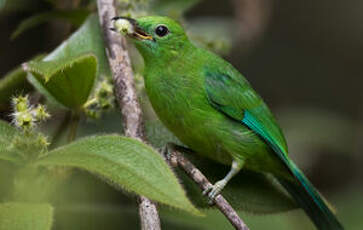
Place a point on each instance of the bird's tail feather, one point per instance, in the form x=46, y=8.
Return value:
x=310, y=200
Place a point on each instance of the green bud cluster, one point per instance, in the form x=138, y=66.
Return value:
x=31, y=146
x=25, y=116
x=40, y=113
x=102, y=100
x=22, y=117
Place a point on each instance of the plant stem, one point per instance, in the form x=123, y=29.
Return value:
x=126, y=97
x=60, y=129
x=73, y=125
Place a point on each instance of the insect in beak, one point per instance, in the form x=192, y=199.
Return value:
x=128, y=26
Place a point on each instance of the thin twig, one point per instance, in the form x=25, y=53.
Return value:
x=126, y=96
x=177, y=159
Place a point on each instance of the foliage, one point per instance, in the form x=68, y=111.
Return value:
x=87, y=39
x=68, y=81
x=13, y=80
x=75, y=17
x=67, y=75
x=124, y=163
x=14, y=83
x=25, y=216
x=7, y=133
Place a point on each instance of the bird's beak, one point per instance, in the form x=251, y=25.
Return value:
x=128, y=26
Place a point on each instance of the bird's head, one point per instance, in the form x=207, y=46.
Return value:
x=154, y=36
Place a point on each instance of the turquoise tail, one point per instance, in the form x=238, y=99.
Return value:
x=309, y=199
x=301, y=189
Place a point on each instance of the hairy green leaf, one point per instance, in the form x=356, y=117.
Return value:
x=68, y=73
x=14, y=83
x=125, y=163
x=11, y=83
x=247, y=191
x=68, y=81
x=75, y=17
x=25, y=216
x=87, y=39
x=7, y=133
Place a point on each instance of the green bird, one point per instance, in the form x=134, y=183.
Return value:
x=214, y=110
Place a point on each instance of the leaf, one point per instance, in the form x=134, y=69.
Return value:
x=125, y=163
x=14, y=83
x=7, y=133
x=248, y=191
x=25, y=216
x=75, y=17
x=86, y=41
x=68, y=81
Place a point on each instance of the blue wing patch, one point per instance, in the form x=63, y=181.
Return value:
x=251, y=122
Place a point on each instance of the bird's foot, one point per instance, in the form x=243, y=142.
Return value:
x=213, y=191
x=167, y=150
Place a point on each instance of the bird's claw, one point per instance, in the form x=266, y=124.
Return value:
x=213, y=191
x=166, y=151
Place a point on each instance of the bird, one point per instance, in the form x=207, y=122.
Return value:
x=212, y=109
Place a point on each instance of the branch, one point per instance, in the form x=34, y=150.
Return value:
x=177, y=159
x=126, y=96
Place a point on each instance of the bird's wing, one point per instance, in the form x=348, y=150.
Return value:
x=231, y=94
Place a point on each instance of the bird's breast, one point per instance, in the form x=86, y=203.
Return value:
x=181, y=104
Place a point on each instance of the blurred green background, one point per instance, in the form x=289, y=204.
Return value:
x=303, y=57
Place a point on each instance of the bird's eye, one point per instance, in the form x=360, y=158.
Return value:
x=161, y=31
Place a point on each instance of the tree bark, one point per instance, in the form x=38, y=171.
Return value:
x=126, y=96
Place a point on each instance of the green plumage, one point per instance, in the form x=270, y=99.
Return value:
x=212, y=109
